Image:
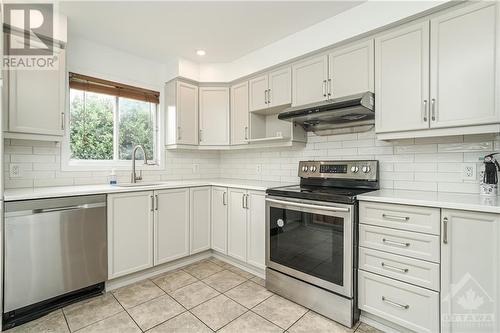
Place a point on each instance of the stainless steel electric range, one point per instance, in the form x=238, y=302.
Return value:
x=312, y=235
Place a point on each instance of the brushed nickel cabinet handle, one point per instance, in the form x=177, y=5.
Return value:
x=394, y=268
x=396, y=304
x=425, y=110
x=224, y=198
x=152, y=203
x=63, y=122
x=433, y=109
x=246, y=201
x=445, y=230
x=324, y=88
x=200, y=134
x=243, y=201
x=395, y=217
x=390, y=242
x=268, y=96
x=329, y=87
x=178, y=132
x=156, y=202
x=246, y=132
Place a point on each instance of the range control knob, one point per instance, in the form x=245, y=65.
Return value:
x=354, y=169
x=313, y=168
x=305, y=168
x=365, y=169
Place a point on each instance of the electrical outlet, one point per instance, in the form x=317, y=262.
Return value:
x=469, y=171
x=14, y=170
x=258, y=169
x=196, y=168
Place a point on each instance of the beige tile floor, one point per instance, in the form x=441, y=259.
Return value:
x=207, y=296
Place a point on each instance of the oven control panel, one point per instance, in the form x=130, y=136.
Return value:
x=364, y=170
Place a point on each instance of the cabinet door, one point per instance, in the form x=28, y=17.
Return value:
x=351, y=70
x=187, y=113
x=256, y=236
x=309, y=80
x=200, y=219
x=171, y=227
x=280, y=87
x=402, y=79
x=214, y=116
x=239, y=114
x=464, y=44
x=470, y=261
x=37, y=99
x=219, y=219
x=258, y=93
x=237, y=225
x=130, y=233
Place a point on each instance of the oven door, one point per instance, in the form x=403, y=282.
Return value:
x=312, y=241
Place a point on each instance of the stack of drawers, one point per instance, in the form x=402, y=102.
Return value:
x=399, y=270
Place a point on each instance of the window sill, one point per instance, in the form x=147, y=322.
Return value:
x=73, y=165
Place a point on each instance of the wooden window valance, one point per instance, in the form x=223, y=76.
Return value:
x=92, y=84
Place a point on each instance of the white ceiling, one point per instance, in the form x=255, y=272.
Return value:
x=227, y=30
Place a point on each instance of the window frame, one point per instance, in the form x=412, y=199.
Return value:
x=69, y=164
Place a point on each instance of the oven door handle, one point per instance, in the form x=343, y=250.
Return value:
x=289, y=203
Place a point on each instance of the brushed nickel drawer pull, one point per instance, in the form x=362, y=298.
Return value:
x=396, y=304
x=394, y=217
x=390, y=242
x=394, y=268
x=445, y=230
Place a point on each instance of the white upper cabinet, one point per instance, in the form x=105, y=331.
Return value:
x=402, y=79
x=36, y=99
x=270, y=90
x=214, y=116
x=470, y=267
x=181, y=99
x=309, y=80
x=464, y=52
x=351, y=70
x=219, y=219
x=239, y=113
x=200, y=219
x=171, y=225
x=258, y=93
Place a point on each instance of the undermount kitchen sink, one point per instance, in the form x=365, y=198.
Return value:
x=138, y=184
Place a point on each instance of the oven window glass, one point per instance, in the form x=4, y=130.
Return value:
x=309, y=243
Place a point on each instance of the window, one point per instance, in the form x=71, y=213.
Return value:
x=107, y=120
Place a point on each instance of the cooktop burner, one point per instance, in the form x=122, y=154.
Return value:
x=321, y=193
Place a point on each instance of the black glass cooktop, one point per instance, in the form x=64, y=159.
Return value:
x=321, y=193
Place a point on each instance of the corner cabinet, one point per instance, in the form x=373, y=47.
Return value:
x=36, y=101
x=440, y=76
x=181, y=107
x=470, y=267
x=214, y=116
x=130, y=232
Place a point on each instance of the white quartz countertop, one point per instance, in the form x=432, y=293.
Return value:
x=66, y=191
x=472, y=202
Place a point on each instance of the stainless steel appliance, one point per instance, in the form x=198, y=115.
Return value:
x=355, y=111
x=54, y=251
x=311, y=236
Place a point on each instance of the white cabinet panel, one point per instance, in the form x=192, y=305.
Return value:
x=258, y=92
x=187, y=114
x=219, y=219
x=402, y=79
x=470, y=262
x=37, y=99
x=130, y=232
x=351, y=70
x=309, y=80
x=200, y=203
x=214, y=116
x=171, y=231
x=239, y=114
x=237, y=225
x=464, y=47
x=256, y=220
x=280, y=87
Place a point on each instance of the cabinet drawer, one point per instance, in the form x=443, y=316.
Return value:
x=406, y=243
x=418, y=272
x=412, y=307
x=410, y=218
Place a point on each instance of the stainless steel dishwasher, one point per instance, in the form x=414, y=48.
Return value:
x=55, y=251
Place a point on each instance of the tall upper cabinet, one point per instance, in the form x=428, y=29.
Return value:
x=239, y=114
x=345, y=71
x=438, y=75
x=181, y=107
x=214, y=116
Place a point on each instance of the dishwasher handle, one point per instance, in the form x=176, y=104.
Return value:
x=62, y=209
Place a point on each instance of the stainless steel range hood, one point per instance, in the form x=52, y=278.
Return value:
x=356, y=112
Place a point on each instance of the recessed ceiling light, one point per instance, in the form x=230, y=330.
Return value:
x=201, y=52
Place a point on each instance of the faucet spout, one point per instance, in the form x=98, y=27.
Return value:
x=134, y=178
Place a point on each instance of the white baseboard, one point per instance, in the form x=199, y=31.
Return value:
x=381, y=323
x=240, y=264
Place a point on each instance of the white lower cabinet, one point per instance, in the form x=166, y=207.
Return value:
x=200, y=219
x=237, y=225
x=219, y=219
x=130, y=232
x=256, y=240
x=470, y=270
x=171, y=227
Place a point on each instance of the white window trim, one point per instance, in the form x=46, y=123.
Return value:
x=68, y=164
